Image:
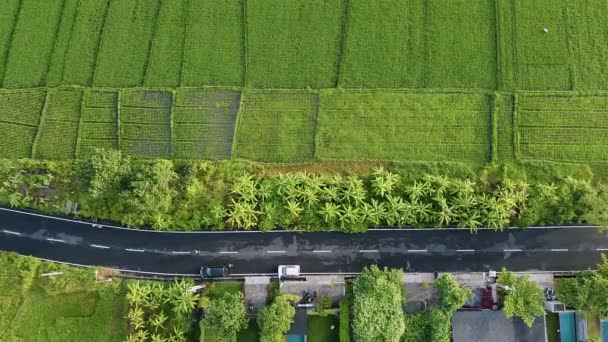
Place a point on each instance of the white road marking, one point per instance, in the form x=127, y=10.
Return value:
x=100, y=246
x=368, y=251
x=465, y=250
x=559, y=250
x=417, y=250
x=11, y=232
x=601, y=249
x=180, y=252
x=134, y=250
x=275, y=252
x=321, y=251
x=512, y=250
x=55, y=240
x=228, y=252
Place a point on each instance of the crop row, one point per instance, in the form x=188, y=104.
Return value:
x=289, y=44
x=279, y=126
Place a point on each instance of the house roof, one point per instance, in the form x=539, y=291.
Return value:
x=481, y=326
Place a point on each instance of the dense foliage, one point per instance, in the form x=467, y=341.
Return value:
x=587, y=291
x=378, y=312
x=345, y=307
x=275, y=320
x=160, y=311
x=235, y=195
x=429, y=325
x=450, y=293
x=74, y=304
x=522, y=297
x=227, y=316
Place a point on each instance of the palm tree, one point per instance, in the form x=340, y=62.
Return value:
x=294, y=209
x=158, y=320
x=353, y=191
x=245, y=187
x=330, y=211
x=184, y=301
x=418, y=190
x=136, y=317
x=177, y=334
x=243, y=214
x=157, y=338
x=373, y=213
x=349, y=216
x=330, y=193
x=384, y=182
x=138, y=336
x=310, y=195
x=138, y=293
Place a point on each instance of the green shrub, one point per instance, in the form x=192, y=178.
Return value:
x=345, y=304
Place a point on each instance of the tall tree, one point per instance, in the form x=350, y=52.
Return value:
x=378, y=311
x=523, y=297
x=451, y=294
x=227, y=316
x=275, y=320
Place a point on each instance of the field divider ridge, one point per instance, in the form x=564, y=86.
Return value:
x=80, y=124
x=151, y=43
x=341, y=57
x=171, y=125
x=99, y=43
x=186, y=33
x=55, y=35
x=9, y=43
x=571, y=49
x=516, y=136
x=494, y=109
x=245, y=46
x=40, y=124
x=118, y=123
x=315, y=124
x=237, y=120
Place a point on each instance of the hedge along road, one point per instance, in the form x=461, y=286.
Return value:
x=427, y=250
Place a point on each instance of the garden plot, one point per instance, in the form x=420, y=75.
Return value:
x=145, y=123
x=403, y=126
x=293, y=43
x=81, y=54
x=543, y=58
x=384, y=44
x=62, y=41
x=19, y=118
x=461, y=44
x=58, y=134
x=203, y=123
x=32, y=43
x=164, y=67
x=214, y=50
x=8, y=20
x=589, y=33
x=125, y=45
x=559, y=128
x=277, y=127
x=99, y=121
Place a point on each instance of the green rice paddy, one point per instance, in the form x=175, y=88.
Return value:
x=289, y=81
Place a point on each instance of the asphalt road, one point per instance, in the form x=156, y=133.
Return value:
x=416, y=250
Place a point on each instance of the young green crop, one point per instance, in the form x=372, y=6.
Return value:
x=214, y=50
x=125, y=44
x=32, y=43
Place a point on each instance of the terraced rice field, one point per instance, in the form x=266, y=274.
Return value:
x=288, y=81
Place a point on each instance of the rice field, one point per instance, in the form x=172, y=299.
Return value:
x=203, y=123
x=290, y=80
x=563, y=128
x=374, y=125
x=277, y=127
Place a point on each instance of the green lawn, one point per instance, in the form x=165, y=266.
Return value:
x=72, y=308
x=319, y=328
x=218, y=288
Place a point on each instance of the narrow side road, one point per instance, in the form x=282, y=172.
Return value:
x=533, y=249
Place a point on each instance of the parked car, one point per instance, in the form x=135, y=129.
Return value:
x=289, y=271
x=215, y=271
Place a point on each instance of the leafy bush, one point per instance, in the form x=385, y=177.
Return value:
x=428, y=325
x=378, y=313
x=451, y=295
x=522, y=297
